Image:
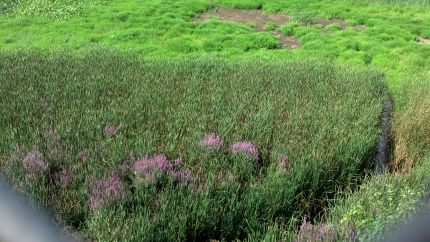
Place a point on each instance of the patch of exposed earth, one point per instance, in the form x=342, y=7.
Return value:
x=257, y=17
x=287, y=42
x=327, y=22
x=342, y=24
x=260, y=19
x=423, y=41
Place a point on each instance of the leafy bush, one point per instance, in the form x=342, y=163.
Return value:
x=288, y=29
x=381, y=203
x=270, y=26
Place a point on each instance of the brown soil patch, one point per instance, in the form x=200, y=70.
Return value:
x=287, y=42
x=256, y=17
x=423, y=41
x=326, y=22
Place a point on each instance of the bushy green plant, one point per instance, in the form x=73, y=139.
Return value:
x=334, y=27
x=270, y=26
x=288, y=29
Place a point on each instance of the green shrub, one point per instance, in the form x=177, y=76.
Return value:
x=381, y=203
x=334, y=27
x=270, y=26
x=288, y=29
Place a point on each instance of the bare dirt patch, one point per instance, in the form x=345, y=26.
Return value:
x=423, y=41
x=257, y=17
x=342, y=23
x=327, y=22
x=287, y=42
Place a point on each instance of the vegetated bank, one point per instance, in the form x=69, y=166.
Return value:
x=184, y=149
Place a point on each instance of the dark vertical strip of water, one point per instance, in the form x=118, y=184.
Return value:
x=384, y=143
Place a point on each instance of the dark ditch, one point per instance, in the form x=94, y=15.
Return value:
x=385, y=139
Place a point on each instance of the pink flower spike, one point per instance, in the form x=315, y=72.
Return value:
x=245, y=149
x=211, y=142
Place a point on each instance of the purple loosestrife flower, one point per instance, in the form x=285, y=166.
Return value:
x=310, y=233
x=110, y=130
x=327, y=232
x=211, y=142
x=107, y=190
x=306, y=232
x=34, y=162
x=245, y=149
x=157, y=162
x=149, y=167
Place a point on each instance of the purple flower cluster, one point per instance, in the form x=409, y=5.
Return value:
x=211, y=142
x=245, y=149
x=34, y=163
x=151, y=168
x=110, y=130
x=107, y=190
x=308, y=232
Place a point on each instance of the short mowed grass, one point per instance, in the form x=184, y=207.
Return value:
x=323, y=117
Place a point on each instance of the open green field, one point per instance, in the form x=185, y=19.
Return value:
x=387, y=36
x=193, y=120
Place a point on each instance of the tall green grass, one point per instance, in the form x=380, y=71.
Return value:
x=385, y=201
x=323, y=117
